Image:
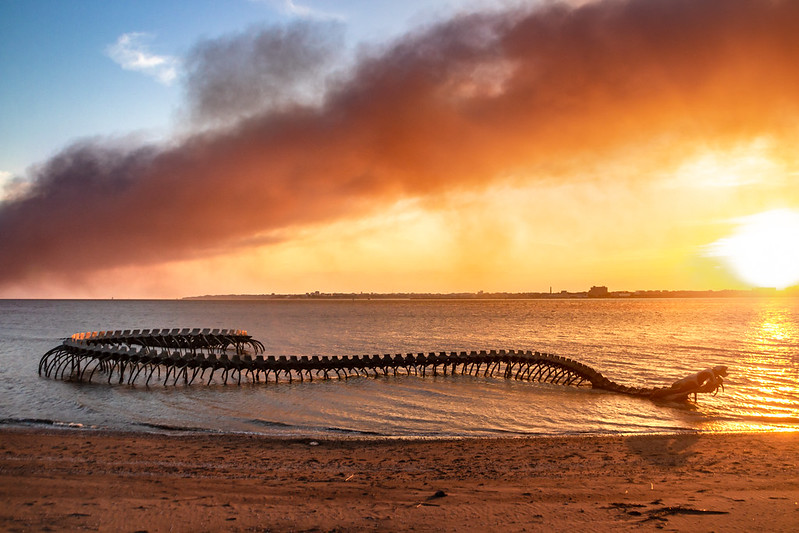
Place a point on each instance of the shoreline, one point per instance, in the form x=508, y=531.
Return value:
x=67, y=478
x=47, y=425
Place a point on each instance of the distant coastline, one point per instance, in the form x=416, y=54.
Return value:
x=594, y=292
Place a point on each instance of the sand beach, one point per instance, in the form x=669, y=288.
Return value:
x=53, y=480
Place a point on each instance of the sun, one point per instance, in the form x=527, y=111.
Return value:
x=764, y=250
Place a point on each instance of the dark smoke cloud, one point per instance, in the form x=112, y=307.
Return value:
x=461, y=105
x=237, y=76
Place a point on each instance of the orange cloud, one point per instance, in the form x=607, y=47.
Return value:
x=556, y=92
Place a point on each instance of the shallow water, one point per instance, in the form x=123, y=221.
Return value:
x=634, y=342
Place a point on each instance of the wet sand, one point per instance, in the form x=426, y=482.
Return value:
x=83, y=479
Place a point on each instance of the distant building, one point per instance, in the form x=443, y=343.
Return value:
x=597, y=292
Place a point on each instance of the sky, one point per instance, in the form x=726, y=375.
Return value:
x=156, y=149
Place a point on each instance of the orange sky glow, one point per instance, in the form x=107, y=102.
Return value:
x=629, y=144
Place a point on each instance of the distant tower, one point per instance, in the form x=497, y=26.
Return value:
x=598, y=291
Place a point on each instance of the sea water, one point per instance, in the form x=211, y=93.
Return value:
x=637, y=342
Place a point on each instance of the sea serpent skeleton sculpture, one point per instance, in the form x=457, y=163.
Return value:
x=173, y=356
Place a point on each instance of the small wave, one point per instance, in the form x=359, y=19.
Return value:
x=27, y=421
x=268, y=423
x=41, y=422
x=765, y=419
x=169, y=427
x=355, y=431
x=313, y=429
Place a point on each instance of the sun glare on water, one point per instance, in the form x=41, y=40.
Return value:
x=764, y=250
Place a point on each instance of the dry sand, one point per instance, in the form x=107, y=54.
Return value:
x=83, y=479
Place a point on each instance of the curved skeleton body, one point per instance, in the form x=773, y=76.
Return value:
x=174, y=356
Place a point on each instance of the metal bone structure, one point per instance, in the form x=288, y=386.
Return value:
x=174, y=356
x=127, y=355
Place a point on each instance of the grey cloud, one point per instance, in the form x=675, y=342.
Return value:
x=262, y=69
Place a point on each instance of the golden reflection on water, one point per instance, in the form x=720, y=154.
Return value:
x=772, y=337
x=775, y=326
x=770, y=363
